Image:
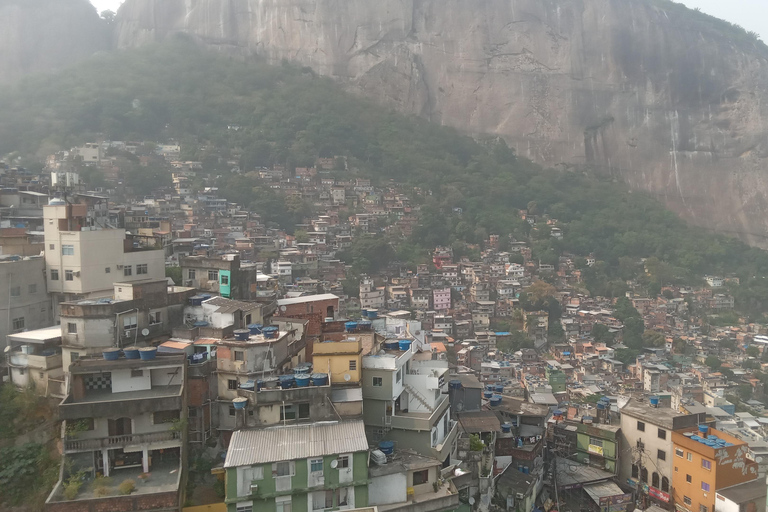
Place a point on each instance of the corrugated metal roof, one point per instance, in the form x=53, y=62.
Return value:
x=307, y=298
x=295, y=442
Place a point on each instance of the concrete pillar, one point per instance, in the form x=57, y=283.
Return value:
x=145, y=459
x=105, y=459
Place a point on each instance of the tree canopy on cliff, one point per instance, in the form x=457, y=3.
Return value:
x=263, y=115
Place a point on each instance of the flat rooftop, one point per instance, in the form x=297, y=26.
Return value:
x=746, y=491
x=661, y=416
x=40, y=336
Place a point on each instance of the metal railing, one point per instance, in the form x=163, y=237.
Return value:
x=74, y=444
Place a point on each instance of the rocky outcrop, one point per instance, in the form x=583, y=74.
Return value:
x=46, y=35
x=669, y=100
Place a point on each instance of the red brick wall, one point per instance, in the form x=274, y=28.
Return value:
x=150, y=502
x=199, y=391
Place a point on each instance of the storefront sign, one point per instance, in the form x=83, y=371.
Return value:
x=593, y=448
x=659, y=495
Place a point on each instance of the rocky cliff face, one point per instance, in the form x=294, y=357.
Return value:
x=664, y=98
x=45, y=35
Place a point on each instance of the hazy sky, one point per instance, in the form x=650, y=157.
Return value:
x=750, y=14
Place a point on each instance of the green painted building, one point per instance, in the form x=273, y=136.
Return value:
x=301, y=468
x=598, y=446
x=556, y=379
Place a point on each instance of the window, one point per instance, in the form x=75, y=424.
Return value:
x=16, y=291
x=68, y=250
x=52, y=247
x=69, y=275
x=662, y=433
x=191, y=273
x=688, y=478
x=644, y=475
x=303, y=411
x=293, y=412
x=32, y=289
x=18, y=323
x=352, y=365
x=239, y=355
x=135, y=374
x=231, y=384
x=129, y=322
x=74, y=356
x=316, y=465
x=283, y=504
x=399, y=375
x=245, y=507
x=378, y=382
x=705, y=486
x=107, y=270
x=54, y=274
x=596, y=441
x=141, y=269
x=702, y=508
x=661, y=455
x=284, y=468
x=655, y=480
x=665, y=484
x=690, y=457
x=641, y=426
x=635, y=470
x=232, y=410
x=686, y=500
x=322, y=500
x=213, y=275
x=164, y=417
x=679, y=452
x=155, y=317
x=343, y=461
x=225, y=280
x=706, y=464
x=420, y=477
x=127, y=270
x=434, y=437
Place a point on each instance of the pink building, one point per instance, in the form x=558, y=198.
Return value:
x=441, y=299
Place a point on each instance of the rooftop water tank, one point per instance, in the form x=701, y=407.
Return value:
x=239, y=402
x=350, y=326
x=404, y=344
x=387, y=447
x=378, y=457
x=704, y=429
x=654, y=401
x=269, y=332
x=506, y=428
x=242, y=334
x=454, y=384
x=255, y=328
x=587, y=420
x=495, y=400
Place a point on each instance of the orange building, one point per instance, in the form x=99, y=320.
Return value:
x=705, y=462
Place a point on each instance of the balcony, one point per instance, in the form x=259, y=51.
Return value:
x=104, y=403
x=83, y=445
x=445, y=498
x=420, y=420
x=35, y=361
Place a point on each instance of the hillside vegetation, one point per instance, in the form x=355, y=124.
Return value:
x=288, y=115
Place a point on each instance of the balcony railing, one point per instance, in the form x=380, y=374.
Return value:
x=77, y=445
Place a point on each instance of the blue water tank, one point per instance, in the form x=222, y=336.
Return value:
x=703, y=429
x=239, y=403
x=350, y=326
x=454, y=384
x=498, y=388
x=255, y=328
x=286, y=381
x=487, y=394
x=506, y=428
x=495, y=400
x=404, y=344
x=600, y=406
x=302, y=380
x=387, y=447
x=200, y=324
x=655, y=401
x=269, y=332
x=391, y=345
x=364, y=325
x=242, y=334
x=319, y=379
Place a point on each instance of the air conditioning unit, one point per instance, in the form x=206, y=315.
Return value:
x=76, y=273
x=520, y=496
x=254, y=488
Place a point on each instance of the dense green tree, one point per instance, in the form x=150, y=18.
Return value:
x=713, y=362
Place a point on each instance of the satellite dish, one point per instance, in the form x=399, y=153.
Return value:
x=145, y=332
x=334, y=463
x=347, y=377
x=471, y=500
x=283, y=308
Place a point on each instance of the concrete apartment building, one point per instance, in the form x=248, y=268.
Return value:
x=121, y=419
x=137, y=313
x=83, y=260
x=225, y=276
x=404, y=400
x=646, y=448
x=702, y=469
x=24, y=303
x=34, y=360
x=371, y=297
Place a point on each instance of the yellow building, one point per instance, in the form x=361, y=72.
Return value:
x=341, y=359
